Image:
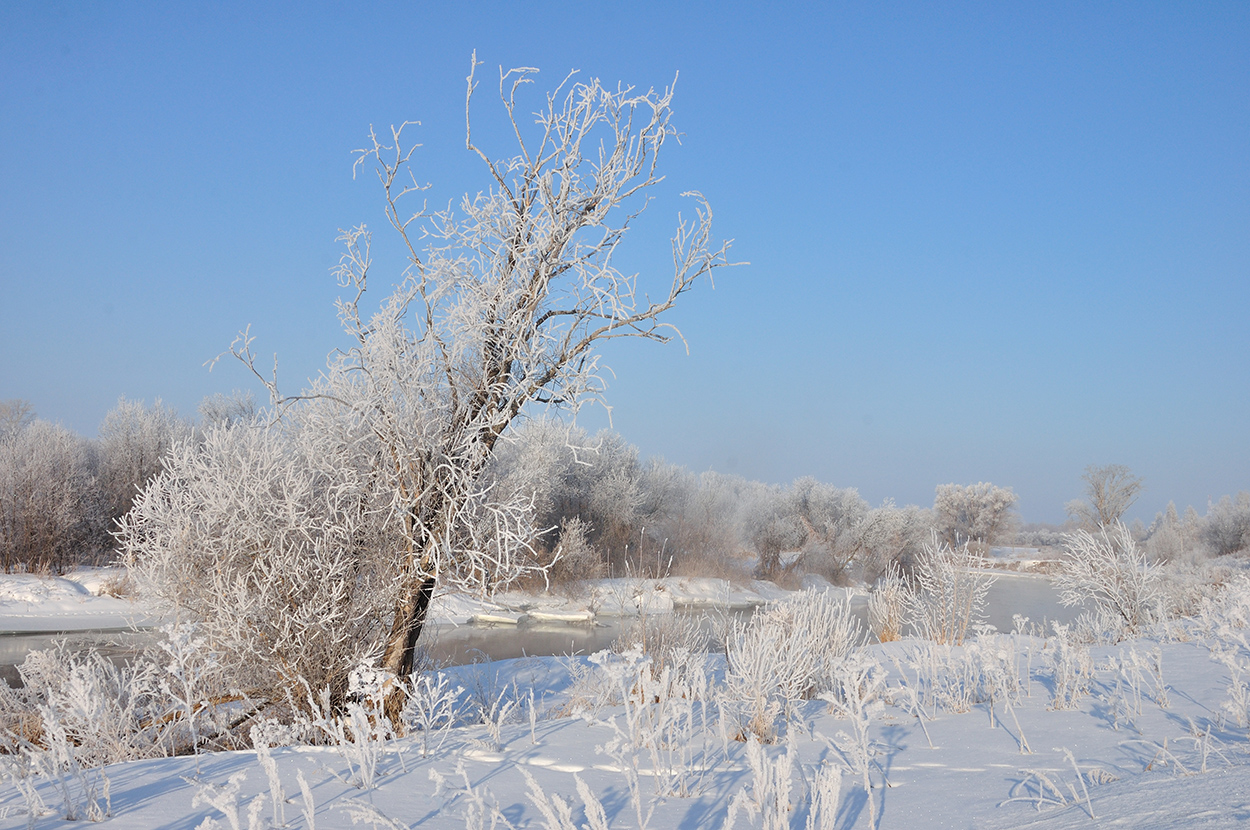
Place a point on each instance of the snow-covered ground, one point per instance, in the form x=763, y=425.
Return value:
x=1150, y=732
x=1158, y=766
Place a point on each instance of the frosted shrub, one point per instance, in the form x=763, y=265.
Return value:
x=107, y=713
x=432, y=707
x=1071, y=668
x=1109, y=569
x=787, y=652
x=667, y=638
x=771, y=784
x=949, y=594
x=858, y=697
x=887, y=605
x=311, y=607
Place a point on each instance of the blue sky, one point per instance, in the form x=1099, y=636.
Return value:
x=987, y=241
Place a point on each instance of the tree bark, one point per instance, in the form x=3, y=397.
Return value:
x=406, y=628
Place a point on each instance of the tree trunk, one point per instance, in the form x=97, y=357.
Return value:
x=402, y=644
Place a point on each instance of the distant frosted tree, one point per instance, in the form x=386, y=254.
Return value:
x=15, y=414
x=1109, y=492
x=223, y=410
x=133, y=440
x=1227, y=526
x=980, y=513
x=50, y=511
x=891, y=536
x=829, y=516
x=771, y=526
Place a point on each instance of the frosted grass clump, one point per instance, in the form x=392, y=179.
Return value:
x=787, y=652
x=950, y=590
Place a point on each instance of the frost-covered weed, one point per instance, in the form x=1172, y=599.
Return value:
x=1071, y=668
x=787, y=652
x=189, y=674
x=432, y=706
x=664, y=721
x=948, y=600
x=108, y=713
x=664, y=637
x=858, y=697
x=557, y=814
x=887, y=605
x=826, y=792
x=222, y=797
x=946, y=676
x=261, y=734
x=1236, y=703
x=360, y=734
x=769, y=797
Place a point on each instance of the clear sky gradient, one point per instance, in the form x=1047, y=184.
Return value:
x=988, y=241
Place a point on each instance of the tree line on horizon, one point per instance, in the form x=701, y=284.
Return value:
x=597, y=507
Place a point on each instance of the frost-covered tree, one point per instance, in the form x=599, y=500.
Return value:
x=51, y=514
x=503, y=310
x=1109, y=492
x=15, y=414
x=829, y=517
x=133, y=440
x=223, y=410
x=891, y=536
x=980, y=513
x=770, y=526
x=1227, y=526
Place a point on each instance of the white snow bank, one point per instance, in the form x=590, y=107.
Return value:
x=619, y=597
x=38, y=603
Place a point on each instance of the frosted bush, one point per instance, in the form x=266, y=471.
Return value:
x=311, y=607
x=887, y=605
x=949, y=594
x=1071, y=668
x=1110, y=570
x=787, y=652
x=432, y=707
x=946, y=677
x=669, y=639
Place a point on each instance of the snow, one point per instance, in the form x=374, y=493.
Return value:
x=966, y=781
x=30, y=603
x=603, y=598
x=1153, y=756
